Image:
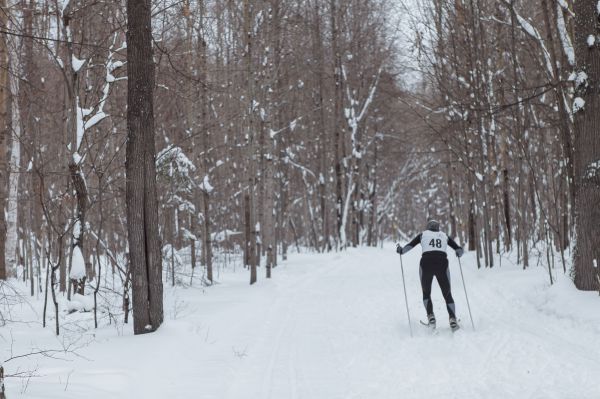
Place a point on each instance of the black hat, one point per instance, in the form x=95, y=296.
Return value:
x=433, y=225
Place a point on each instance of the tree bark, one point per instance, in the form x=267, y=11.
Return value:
x=141, y=201
x=4, y=134
x=12, y=206
x=339, y=132
x=565, y=121
x=253, y=251
x=587, y=147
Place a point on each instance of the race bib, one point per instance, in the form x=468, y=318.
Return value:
x=434, y=241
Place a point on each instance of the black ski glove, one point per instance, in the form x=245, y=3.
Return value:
x=398, y=248
x=459, y=252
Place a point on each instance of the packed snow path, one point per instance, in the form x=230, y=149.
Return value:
x=334, y=326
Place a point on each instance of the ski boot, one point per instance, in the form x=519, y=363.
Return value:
x=431, y=320
x=454, y=324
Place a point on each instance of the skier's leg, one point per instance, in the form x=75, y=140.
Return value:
x=442, y=275
x=426, y=274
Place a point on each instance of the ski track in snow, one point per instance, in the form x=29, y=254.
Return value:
x=334, y=326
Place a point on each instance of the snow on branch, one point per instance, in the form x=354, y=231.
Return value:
x=350, y=112
x=291, y=126
x=530, y=30
x=99, y=115
x=578, y=104
x=76, y=63
x=592, y=171
x=173, y=161
x=206, y=186
x=288, y=159
x=533, y=32
x=563, y=33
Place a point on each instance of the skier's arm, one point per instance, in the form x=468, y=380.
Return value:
x=453, y=244
x=457, y=248
x=415, y=241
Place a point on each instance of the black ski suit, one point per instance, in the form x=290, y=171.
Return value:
x=434, y=262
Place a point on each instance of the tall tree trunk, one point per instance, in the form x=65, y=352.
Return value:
x=587, y=146
x=31, y=134
x=206, y=159
x=373, y=187
x=565, y=125
x=141, y=201
x=15, y=159
x=272, y=54
x=253, y=255
x=324, y=147
x=337, y=123
x=74, y=137
x=4, y=133
x=284, y=195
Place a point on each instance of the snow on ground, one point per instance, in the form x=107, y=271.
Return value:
x=332, y=326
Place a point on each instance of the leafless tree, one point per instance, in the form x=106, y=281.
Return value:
x=142, y=206
x=587, y=146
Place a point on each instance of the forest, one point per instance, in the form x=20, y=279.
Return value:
x=154, y=144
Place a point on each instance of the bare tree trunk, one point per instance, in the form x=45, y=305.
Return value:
x=324, y=141
x=337, y=123
x=205, y=141
x=565, y=126
x=142, y=207
x=284, y=217
x=271, y=91
x=99, y=238
x=372, y=230
x=2, y=396
x=31, y=134
x=250, y=239
x=4, y=134
x=451, y=193
x=587, y=147
x=254, y=253
x=12, y=206
x=82, y=205
x=247, y=231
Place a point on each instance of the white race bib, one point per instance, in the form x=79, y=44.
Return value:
x=434, y=241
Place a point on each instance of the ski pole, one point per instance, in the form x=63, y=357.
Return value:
x=405, y=297
x=466, y=296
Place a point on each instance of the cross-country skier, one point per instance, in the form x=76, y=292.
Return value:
x=434, y=262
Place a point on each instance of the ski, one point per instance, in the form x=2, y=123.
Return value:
x=432, y=328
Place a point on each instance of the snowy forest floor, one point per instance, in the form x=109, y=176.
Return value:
x=327, y=326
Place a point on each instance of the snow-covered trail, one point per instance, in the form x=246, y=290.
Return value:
x=334, y=326
x=342, y=333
